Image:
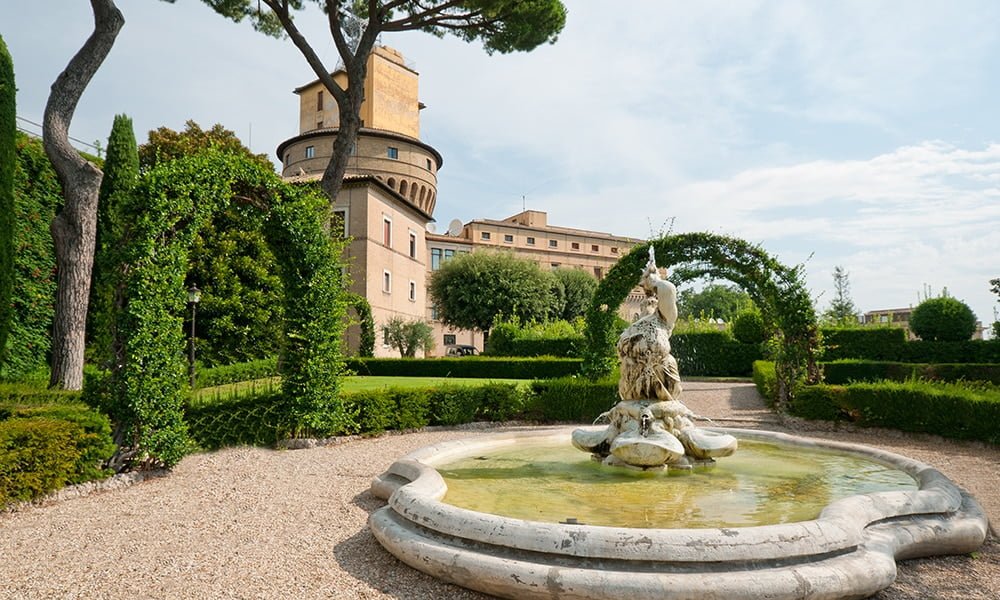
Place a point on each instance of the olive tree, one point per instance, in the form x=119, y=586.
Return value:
x=409, y=336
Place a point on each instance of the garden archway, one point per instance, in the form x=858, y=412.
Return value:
x=172, y=202
x=778, y=291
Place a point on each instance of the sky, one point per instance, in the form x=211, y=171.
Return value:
x=854, y=133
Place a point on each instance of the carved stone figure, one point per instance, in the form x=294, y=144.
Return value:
x=650, y=427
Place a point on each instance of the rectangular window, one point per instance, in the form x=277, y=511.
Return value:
x=448, y=254
x=319, y=100
x=508, y=238
x=435, y=259
x=413, y=291
x=387, y=231
x=310, y=151
x=449, y=339
x=339, y=222
x=393, y=153
x=595, y=248
x=434, y=312
x=484, y=235
x=387, y=282
x=530, y=241
x=574, y=246
x=614, y=250
x=599, y=273
x=413, y=245
x=430, y=166
x=553, y=244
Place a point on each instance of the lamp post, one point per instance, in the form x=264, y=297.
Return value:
x=194, y=296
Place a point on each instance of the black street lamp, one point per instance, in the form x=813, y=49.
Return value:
x=194, y=296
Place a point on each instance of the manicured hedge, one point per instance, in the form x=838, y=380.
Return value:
x=871, y=343
x=766, y=380
x=555, y=346
x=846, y=371
x=45, y=445
x=252, y=419
x=889, y=344
x=245, y=371
x=713, y=353
x=483, y=367
x=571, y=399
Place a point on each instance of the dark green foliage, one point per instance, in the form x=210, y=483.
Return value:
x=509, y=337
x=823, y=402
x=240, y=314
x=472, y=290
x=8, y=158
x=37, y=196
x=481, y=367
x=872, y=343
x=47, y=440
x=714, y=354
x=36, y=457
x=943, y=319
x=778, y=291
x=253, y=419
x=363, y=310
x=171, y=203
x=571, y=399
x=121, y=174
x=766, y=380
x=748, y=327
x=246, y=371
x=847, y=371
x=578, y=288
x=715, y=301
x=950, y=410
x=971, y=351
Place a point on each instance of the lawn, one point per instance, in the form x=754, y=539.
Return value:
x=354, y=384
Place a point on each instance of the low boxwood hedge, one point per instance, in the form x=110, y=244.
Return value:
x=578, y=400
x=245, y=371
x=845, y=371
x=483, y=367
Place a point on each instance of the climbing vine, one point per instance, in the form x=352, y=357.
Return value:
x=360, y=304
x=171, y=203
x=778, y=291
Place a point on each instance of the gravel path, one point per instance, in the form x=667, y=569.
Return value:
x=257, y=523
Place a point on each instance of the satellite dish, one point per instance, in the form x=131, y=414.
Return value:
x=454, y=228
x=431, y=228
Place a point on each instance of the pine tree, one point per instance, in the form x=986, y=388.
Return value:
x=842, y=310
x=121, y=171
x=8, y=158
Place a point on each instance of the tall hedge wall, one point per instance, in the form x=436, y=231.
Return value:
x=889, y=344
x=8, y=131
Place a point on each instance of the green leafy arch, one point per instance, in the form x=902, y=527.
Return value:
x=778, y=290
x=170, y=204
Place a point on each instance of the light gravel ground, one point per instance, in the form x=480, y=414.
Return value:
x=256, y=523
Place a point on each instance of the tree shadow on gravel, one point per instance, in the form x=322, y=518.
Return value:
x=365, y=559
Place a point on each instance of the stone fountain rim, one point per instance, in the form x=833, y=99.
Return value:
x=414, y=488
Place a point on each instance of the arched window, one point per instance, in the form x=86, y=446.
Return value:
x=413, y=193
x=423, y=191
x=402, y=188
x=392, y=182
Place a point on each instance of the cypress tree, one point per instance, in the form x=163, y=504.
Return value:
x=121, y=172
x=8, y=128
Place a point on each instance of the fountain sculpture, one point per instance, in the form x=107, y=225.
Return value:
x=650, y=428
x=847, y=551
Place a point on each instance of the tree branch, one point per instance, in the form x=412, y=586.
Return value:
x=333, y=17
x=281, y=11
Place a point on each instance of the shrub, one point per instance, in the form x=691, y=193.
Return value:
x=571, y=399
x=37, y=456
x=253, y=419
x=766, y=380
x=748, y=327
x=245, y=371
x=510, y=337
x=845, y=371
x=822, y=402
x=713, y=353
x=482, y=367
x=871, y=343
x=943, y=319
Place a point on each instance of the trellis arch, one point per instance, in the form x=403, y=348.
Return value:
x=171, y=203
x=778, y=291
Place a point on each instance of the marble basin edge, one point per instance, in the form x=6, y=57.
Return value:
x=848, y=551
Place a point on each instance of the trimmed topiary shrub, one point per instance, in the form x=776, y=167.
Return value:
x=577, y=400
x=245, y=371
x=766, y=380
x=870, y=343
x=943, y=320
x=748, y=327
x=37, y=456
x=713, y=353
x=482, y=367
x=846, y=371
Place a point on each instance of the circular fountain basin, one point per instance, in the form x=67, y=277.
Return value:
x=842, y=546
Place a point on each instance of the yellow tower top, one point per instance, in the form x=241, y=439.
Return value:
x=390, y=104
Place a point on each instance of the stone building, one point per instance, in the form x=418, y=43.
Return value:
x=388, y=199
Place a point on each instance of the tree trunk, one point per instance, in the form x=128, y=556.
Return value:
x=74, y=228
x=350, y=124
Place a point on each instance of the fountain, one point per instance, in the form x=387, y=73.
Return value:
x=660, y=520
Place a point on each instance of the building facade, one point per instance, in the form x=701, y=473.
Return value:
x=388, y=198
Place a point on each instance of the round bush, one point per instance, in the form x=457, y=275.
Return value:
x=748, y=327
x=943, y=320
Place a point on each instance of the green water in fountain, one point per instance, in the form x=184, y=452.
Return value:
x=762, y=484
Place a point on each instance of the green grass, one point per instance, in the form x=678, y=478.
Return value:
x=353, y=384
